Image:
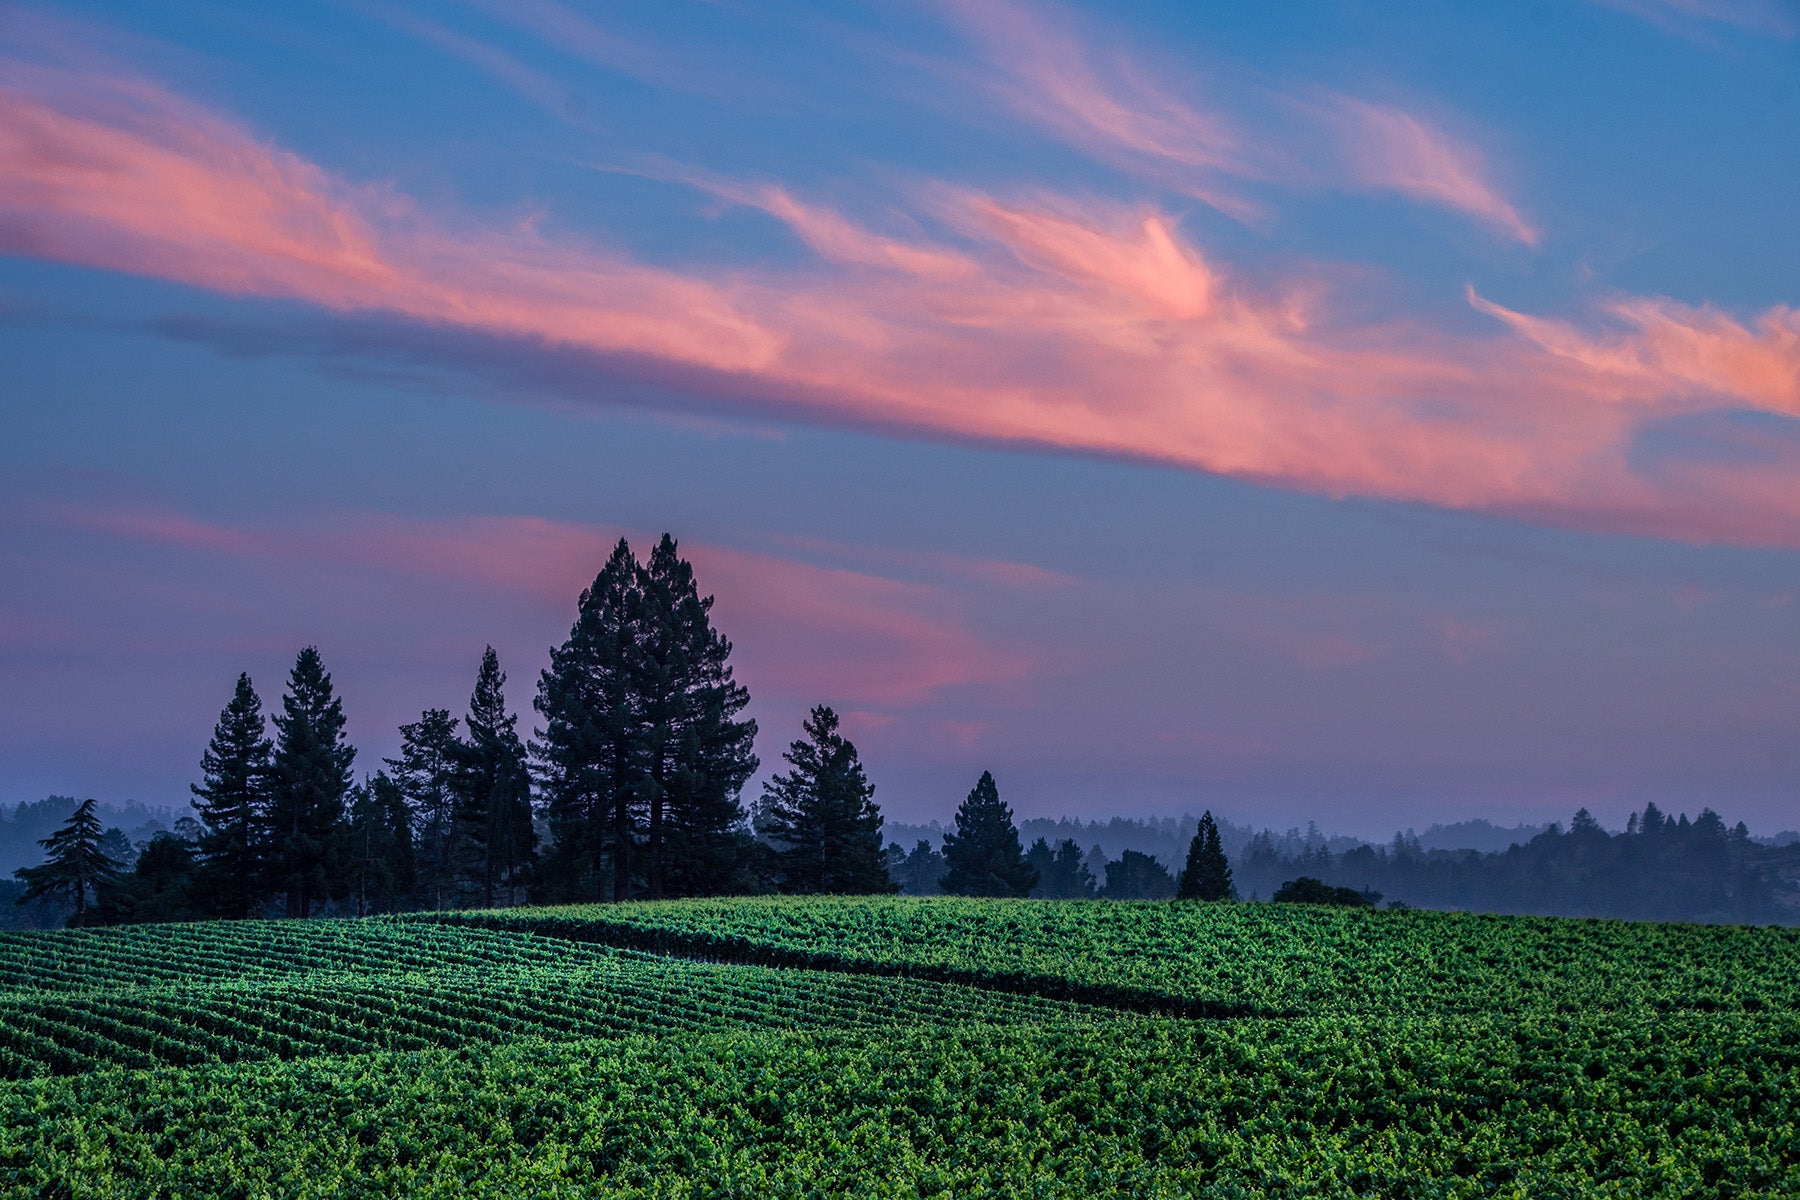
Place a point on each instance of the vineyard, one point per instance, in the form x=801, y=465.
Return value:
x=902, y=1047
x=1204, y=959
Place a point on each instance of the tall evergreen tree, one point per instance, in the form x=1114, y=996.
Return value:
x=698, y=752
x=311, y=781
x=427, y=775
x=1207, y=875
x=233, y=802
x=1063, y=872
x=983, y=855
x=74, y=867
x=821, y=816
x=159, y=887
x=589, y=755
x=494, y=803
x=380, y=861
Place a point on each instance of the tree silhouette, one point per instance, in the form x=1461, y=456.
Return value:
x=983, y=855
x=821, y=815
x=1207, y=875
x=493, y=814
x=380, y=859
x=588, y=755
x=643, y=755
x=1063, y=872
x=427, y=775
x=699, y=753
x=1135, y=875
x=233, y=802
x=311, y=781
x=74, y=866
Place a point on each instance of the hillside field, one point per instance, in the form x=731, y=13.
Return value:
x=902, y=1047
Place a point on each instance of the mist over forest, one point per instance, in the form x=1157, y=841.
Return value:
x=1683, y=869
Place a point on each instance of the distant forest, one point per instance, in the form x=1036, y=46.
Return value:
x=629, y=786
x=1660, y=868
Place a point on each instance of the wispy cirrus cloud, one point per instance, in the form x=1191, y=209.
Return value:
x=1215, y=134
x=1696, y=18
x=1033, y=320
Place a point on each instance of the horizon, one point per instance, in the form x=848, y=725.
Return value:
x=1165, y=410
x=1768, y=836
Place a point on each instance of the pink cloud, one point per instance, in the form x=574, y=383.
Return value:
x=830, y=235
x=1098, y=95
x=1038, y=321
x=1672, y=354
x=993, y=572
x=1104, y=102
x=1388, y=149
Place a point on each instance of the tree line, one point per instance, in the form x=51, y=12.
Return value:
x=1661, y=867
x=630, y=786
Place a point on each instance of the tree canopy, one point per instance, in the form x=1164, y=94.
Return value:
x=821, y=815
x=1207, y=875
x=983, y=855
x=75, y=866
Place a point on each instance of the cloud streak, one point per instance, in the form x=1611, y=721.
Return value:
x=1099, y=96
x=1031, y=320
x=1690, y=18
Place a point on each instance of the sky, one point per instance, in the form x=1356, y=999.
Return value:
x=1371, y=414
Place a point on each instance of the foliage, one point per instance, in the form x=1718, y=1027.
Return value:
x=428, y=1056
x=1660, y=868
x=232, y=801
x=311, y=783
x=161, y=885
x=916, y=871
x=643, y=752
x=427, y=774
x=76, y=864
x=1307, y=890
x=1221, y=959
x=700, y=747
x=1135, y=876
x=263, y=990
x=821, y=815
x=494, y=792
x=381, y=859
x=1207, y=875
x=1062, y=873
x=982, y=856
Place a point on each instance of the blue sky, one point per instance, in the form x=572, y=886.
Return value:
x=1303, y=411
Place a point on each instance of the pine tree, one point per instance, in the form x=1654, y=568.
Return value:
x=233, y=803
x=427, y=775
x=380, y=862
x=698, y=752
x=494, y=792
x=983, y=855
x=311, y=781
x=822, y=817
x=74, y=865
x=1062, y=872
x=918, y=871
x=589, y=754
x=1207, y=875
